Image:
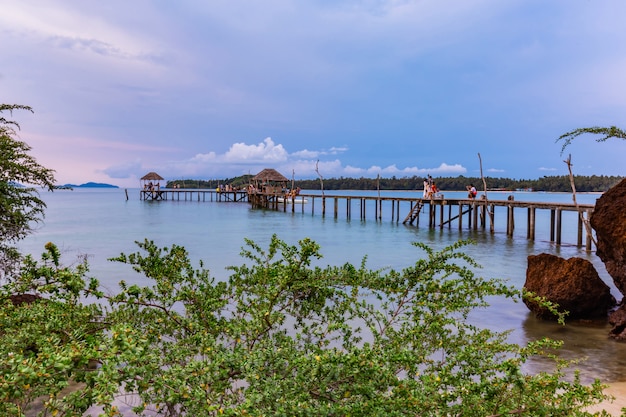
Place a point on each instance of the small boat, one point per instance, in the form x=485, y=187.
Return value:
x=297, y=200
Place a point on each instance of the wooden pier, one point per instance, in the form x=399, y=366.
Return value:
x=187, y=194
x=441, y=213
x=433, y=213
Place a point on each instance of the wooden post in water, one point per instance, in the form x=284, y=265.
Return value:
x=362, y=209
x=483, y=215
x=579, y=237
x=559, y=215
x=441, y=215
x=589, y=237
x=336, y=207
x=475, y=215
x=531, y=223
x=430, y=215
x=398, y=212
x=510, y=220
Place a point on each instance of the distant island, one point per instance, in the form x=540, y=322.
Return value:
x=86, y=185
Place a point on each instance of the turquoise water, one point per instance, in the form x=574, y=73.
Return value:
x=103, y=223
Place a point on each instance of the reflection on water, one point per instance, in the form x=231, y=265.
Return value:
x=587, y=341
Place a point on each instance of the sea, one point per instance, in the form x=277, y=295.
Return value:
x=102, y=223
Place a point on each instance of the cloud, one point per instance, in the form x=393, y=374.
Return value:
x=306, y=154
x=242, y=158
x=125, y=170
x=267, y=152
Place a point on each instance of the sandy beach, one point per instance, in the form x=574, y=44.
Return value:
x=618, y=391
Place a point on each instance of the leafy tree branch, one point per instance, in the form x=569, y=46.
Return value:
x=604, y=132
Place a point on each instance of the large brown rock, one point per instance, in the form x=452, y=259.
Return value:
x=609, y=222
x=617, y=319
x=573, y=284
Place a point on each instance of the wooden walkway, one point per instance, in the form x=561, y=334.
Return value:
x=194, y=195
x=465, y=213
x=434, y=213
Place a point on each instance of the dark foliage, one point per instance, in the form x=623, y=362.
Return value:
x=594, y=183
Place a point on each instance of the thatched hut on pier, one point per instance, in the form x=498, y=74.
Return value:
x=269, y=181
x=150, y=181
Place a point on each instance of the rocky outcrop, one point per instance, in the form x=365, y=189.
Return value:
x=617, y=320
x=609, y=222
x=573, y=284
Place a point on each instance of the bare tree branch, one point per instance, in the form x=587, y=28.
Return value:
x=491, y=225
x=581, y=214
x=319, y=175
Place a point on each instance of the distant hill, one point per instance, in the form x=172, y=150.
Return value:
x=90, y=185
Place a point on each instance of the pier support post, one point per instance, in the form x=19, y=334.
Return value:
x=531, y=223
x=589, y=237
x=483, y=215
x=510, y=221
x=475, y=215
x=441, y=215
x=559, y=215
x=579, y=237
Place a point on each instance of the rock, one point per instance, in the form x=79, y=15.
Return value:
x=573, y=284
x=609, y=222
x=617, y=320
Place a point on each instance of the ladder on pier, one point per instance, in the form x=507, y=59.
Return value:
x=415, y=213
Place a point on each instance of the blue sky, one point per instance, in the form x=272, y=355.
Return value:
x=213, y=89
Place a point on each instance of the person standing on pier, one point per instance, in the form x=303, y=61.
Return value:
x=426, y=188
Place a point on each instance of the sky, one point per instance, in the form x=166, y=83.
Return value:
x=196, y=89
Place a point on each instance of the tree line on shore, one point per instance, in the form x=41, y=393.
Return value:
x=559, y=183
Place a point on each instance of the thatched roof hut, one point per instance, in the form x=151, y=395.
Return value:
x=269, y=181
x=152, y=176
x=148, y=179
x=270, y=175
